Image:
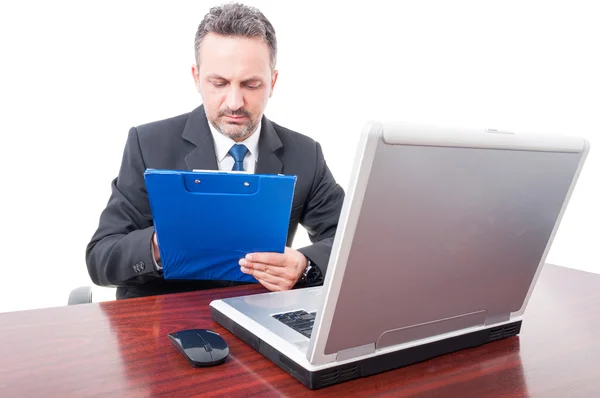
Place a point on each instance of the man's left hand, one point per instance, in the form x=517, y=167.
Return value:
x=275, y=271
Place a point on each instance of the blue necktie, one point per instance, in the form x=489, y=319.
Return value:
x=238, y=153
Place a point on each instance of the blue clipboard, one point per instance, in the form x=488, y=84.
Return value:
x=207, y=221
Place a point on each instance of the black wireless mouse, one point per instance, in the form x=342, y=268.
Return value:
x=201, y=347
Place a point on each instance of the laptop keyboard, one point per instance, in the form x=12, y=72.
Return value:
x=301, y=321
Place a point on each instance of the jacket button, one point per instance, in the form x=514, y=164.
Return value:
x=139, y=267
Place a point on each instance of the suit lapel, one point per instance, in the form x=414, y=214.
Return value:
x=268, y=144
x=197, y=132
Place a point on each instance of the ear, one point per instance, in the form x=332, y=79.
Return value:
x=196, y=76
x=273, y=81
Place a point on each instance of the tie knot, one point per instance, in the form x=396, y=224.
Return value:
x=238, y=152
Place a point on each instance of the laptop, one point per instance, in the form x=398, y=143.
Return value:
x=441, y=238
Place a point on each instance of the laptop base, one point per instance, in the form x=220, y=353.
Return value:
x=369, y=366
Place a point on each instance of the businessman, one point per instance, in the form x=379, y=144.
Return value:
x=235, y=74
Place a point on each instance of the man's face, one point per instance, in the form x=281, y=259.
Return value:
x=235, y=81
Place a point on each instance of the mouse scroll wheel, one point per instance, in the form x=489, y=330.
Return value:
x=207, y=346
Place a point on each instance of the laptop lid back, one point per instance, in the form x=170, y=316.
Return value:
x=442, y=230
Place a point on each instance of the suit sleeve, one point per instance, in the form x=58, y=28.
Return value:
x=120, y=251
x=321, y=215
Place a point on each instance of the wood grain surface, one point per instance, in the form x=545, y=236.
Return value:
x=121, y=349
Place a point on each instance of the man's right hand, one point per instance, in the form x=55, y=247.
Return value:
x=155, y=247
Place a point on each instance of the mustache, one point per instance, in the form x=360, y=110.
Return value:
x=238, y=112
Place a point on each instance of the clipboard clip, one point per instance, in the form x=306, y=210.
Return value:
x=221, y=183
x=246, y=183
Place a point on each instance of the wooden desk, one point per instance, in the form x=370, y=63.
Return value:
x=120, y=349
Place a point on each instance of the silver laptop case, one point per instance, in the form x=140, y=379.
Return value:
x=442, y=236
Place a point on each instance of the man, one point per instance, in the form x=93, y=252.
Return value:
x=236, y=52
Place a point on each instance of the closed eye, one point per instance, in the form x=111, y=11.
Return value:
x=252, y=84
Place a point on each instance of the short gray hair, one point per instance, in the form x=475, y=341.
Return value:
x=236, y=19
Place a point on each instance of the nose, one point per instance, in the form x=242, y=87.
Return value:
x=235, y=99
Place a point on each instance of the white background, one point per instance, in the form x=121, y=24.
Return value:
x=75, y=76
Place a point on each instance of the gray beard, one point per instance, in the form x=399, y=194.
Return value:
x=236, y=132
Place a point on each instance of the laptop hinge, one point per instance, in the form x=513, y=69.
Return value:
x=355, y=352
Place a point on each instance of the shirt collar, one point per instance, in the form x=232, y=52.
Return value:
x=223, y=143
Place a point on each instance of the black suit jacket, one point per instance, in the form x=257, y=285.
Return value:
x=119, y=253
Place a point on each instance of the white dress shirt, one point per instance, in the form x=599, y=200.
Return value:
x=223, y=144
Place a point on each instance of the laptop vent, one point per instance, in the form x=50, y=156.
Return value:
x=503, y=332
x=339, y=375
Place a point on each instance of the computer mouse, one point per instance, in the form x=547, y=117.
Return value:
x=201, y=347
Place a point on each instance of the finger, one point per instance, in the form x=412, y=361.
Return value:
x=259, y=274
x=281, y=281
x=276, y=259
x=266, y=268
x=270, y=286
x=258, y=266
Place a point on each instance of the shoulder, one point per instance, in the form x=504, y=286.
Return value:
x=163, y=127
x=299, y=142
x=300, y=154
x=160, y=143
